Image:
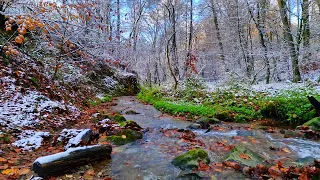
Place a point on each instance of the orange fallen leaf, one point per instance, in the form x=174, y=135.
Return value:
x=3, y=159
x=23, y=171
x=244, y=156
x=9, y=171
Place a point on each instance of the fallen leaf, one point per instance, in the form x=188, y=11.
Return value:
x=244, y=156
x=9, y=171
x=23, y=171
x=3, y=159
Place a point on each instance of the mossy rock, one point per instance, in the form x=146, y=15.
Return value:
x=210, y=120
x=223, y=115
x=244, y=156
x=118, y=118
x=313, y=124
x=191, y=159
x=132, y=125
x=125, y=137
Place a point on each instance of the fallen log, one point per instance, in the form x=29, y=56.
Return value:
x=60, y=163
x=315, y=103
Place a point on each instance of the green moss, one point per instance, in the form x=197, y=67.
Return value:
x=125, y=137
x=118, y=118
x=104, y=99
x=223, y=114
x=313, y=124
x=289, y=106
x=244, y=156
x=191, y=159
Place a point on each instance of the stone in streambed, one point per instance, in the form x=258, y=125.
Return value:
x=191, y=159
x=313, y=124
x=244, y=156
x=194, y=126
x=210, y=120
x=124, y=137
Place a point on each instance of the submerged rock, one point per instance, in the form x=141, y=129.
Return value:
x=313, y=124
x=210, y=120
x=191, y=159
x=125, y=136
x=244, y=156
x=194, y=126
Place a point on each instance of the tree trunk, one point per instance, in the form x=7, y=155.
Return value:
x=189, y=53
x=216, y=25
x=306, y=30
x=118, y=21
x=67, y=161
x=289, y=40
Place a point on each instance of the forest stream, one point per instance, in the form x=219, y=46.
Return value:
x=150, y=158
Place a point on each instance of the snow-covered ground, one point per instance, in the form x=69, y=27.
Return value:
x=271, y=89
x=24, y=109
x=30, y=140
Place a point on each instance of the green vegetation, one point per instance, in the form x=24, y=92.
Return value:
x=104, y=99
x=236, y=104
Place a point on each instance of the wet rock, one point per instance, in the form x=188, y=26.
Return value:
x=131, y=112
x=210, y=120
x=194, y=126
x=244, y=156
x=291, y=134
x=191, y=159
x=124, y=137
x=132, y=125
x=313, y=124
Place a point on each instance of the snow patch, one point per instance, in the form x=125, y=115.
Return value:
x=110, y=83
x=18, y=110
x=30, y=140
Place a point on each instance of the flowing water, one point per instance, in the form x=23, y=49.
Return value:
x=150, y=158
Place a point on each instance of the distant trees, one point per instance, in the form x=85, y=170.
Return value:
x=252, y=41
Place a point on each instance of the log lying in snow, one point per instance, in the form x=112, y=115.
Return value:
x=315, y=103
x=57, y=164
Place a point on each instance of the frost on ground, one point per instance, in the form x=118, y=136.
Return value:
x=24, y=109
x=272, y=89
x=30, y=140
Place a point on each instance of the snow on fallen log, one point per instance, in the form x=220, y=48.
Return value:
x=67, y=161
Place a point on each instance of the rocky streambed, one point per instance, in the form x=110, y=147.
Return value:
x=165, y=138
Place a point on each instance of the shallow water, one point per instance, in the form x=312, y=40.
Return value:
x=150, y=158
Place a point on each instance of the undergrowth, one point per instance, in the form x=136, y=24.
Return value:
x=234, y=104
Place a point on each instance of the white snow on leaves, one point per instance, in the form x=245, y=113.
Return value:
x=19, y=110
x=30, y=140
